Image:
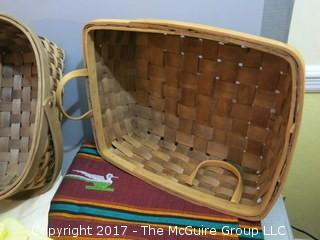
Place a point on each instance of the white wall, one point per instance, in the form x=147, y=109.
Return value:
x=305, y=30
x=276, y=19
x=302, y=187
x=62, y=21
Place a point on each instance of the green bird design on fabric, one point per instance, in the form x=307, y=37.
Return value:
x=97, y=182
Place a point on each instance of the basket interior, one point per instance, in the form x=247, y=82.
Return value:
x=169, y=102
x=18, y=99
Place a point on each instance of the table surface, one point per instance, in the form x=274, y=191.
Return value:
x=34, y=212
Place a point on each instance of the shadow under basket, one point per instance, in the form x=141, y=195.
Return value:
x=30, y=137
x=207, y=114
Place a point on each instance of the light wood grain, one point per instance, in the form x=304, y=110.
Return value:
x=167, y=96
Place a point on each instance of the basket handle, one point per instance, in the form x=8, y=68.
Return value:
x=66, y=78
x=228, y=166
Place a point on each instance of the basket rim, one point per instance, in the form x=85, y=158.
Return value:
x=126, y=24
x=217, y=34
x=39, y=118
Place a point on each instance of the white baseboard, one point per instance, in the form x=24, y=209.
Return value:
x=312, y=83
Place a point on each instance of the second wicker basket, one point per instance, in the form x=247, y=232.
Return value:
x=207, y=114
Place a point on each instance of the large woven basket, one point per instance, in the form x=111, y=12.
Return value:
x=30, y=136
x=207, y=114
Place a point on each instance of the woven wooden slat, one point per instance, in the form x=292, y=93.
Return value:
x=201, y=107
x=46, y=167
x=23, y=166
x=166, y=97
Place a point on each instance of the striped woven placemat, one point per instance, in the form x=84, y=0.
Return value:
x=98, y=200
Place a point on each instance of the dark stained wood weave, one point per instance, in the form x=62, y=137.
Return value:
x=19, y=79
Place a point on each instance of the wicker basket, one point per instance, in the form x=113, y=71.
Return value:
x=30, y=136
x=207, y=114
